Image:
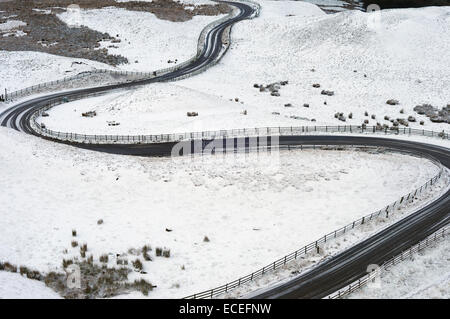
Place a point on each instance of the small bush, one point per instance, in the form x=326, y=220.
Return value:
x=74, y=243
x=158, y=251
x=67, y=262
x=122, y=262
x=83, y=250
x=146, y=256
x=206, y=239
x=10, y=267
x=104, y=258
x=143, y=286
x=166, y=253
x=100, y=221
x=34, y=274
x=23, y=270
x=74, y=233
x=146, y=248
x=137, y=264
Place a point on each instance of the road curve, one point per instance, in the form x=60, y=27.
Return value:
x=350, y=265
x=330, y=275
x=17, y=117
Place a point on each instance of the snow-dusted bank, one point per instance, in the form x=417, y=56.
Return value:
x=14, y=286
x=426, y=275
x=140, y=199
x=364, y=58
x=146, y=41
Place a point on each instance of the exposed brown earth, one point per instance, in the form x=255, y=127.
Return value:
x=46, y=33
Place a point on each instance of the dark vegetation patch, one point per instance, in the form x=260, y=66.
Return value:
x=96, y=278
x=46, y=33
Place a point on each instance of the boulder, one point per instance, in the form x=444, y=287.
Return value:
x=325, y=92
x=392, y=102
x=89, y=114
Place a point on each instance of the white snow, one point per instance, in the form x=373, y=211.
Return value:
x=15, y=286
x=400, y=51
x=49, y=189
x=25, y=68
x=11, y=24
x=144, y=38
x=335, y=246
x=425, y=276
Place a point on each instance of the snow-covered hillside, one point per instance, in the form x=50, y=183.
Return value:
x=14, y=286
x=23, y=69
x=49, y=189
x=364, y=58
x=426, y=275
x=146, y=41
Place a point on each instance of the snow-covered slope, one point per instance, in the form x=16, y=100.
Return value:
x=146, y=41
x=144, y=38
x=364, y=58
x=24, y=68
x=14, y=286
x=426, y=275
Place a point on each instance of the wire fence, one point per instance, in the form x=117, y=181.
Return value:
x=220, y=134
x=372, y=276
x=209, y=135
x=132, y=75
x=315, y=246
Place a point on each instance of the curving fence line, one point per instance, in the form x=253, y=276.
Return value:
x=408, y=254
x=40, y=129
x=229, y=133
x=315, y=246
x=139, y=76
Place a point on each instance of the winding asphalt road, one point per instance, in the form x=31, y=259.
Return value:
x=18, y=116
x=330, y=275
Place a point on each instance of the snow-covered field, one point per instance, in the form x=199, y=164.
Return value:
x=146, y=41
x=144, y=38
x=426, y=275
x=335, y=246
x=14, y=286
x=49, y=189
x=24, y=69
x=397, y=54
